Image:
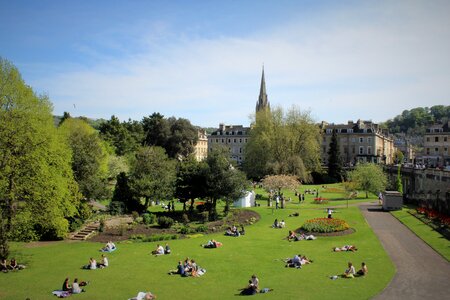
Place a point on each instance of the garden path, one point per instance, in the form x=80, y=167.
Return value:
x=421, y=272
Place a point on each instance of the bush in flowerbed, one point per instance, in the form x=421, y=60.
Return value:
x=165, y=222
x=434, y=215
x=320, y=200
x=324, y=225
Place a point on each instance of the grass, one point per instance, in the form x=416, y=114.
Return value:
x=260, y=251
x=433, y=238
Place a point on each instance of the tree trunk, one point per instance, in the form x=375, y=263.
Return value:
x=367, y=195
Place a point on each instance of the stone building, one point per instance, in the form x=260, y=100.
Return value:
x=436, y=145
x=233, y=137
x=363, y=141
x=201, y=148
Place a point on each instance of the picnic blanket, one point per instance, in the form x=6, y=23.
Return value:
x=108, y=251
x=61, y=294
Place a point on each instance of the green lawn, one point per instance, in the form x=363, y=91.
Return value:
x=433, y=238
x=260, y=251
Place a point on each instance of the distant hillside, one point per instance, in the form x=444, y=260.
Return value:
x=415, y=121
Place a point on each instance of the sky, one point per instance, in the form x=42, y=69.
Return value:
x=202, y=60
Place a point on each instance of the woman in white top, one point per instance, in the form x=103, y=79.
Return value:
x=350, y=272
x=76, y=287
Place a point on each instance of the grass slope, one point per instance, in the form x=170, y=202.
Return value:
x=260, y=251
x=433, y=238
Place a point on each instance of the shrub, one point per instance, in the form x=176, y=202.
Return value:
x=165, y=222
x=116, y=208
x=137, y=237
x=122, y=228
x=160, y=237
x=204, y=216
x=202, y=228
x=324, y=225
x=186, y=230
x=148, y=219
x=135, y=215
x=185, y=218
x=101, y=227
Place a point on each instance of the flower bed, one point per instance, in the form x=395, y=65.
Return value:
x=325, y=225
x=434, y=216
x=320, y=200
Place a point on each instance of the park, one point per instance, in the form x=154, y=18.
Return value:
x=260, y=251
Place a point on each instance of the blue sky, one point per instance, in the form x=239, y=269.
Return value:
x=201, y=60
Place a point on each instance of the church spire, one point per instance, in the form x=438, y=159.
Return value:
x=263, y=102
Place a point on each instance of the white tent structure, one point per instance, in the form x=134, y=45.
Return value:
x=247, y=201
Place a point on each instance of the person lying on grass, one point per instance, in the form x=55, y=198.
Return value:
x=212, y=244
x=297, y=261
x=350, y=271
x=159, y=250
x=292, y=236
x=345, y=248
x=144, y=296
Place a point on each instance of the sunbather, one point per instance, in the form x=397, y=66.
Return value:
x=144, y=296
x=212, y=244
x=345, y=248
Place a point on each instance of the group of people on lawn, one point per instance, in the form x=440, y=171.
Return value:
x=160, y=250
x=92, y=265
x=75, y=288
x=279, y=224
x=233, y=231
x=188, y=268
x=12, y=266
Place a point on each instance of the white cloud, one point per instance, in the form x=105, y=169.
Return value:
x=365, y=62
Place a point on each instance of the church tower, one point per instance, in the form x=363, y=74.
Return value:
x=263, y=102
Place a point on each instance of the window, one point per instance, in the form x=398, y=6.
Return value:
x=223, y=141
x=436, y=150
x=353, y=150
x=428, y=151
x=361, y=150
x=234, y=141
x=229, y=140
x=428, y=139
x=353, y=140
x=361, y=140
x=240, y=150
x=350, y=131
x=369, y=150
x=240, y=140
x=217, y=140
x=329, y=130
x=246, y=140
x=369, y=140
x=436, y=139
x=445, y=138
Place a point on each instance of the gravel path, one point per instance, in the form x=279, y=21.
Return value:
x=421, y=272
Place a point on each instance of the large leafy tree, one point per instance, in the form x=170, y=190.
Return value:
x=368, y=177
x=37, y=189
x=156, y=130
x=89, y=158
x=152, y=175
x=334, y=159
x=279, y=182
x=223, y=181
x=283, y=143
x=191, y=180
x=121, y=135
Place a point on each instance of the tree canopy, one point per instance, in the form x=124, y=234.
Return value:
x=334, y=159
x=37, y=189
x=368, y=177
x=283, y=144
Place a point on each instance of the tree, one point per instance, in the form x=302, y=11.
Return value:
x=223, y=181
x=183, y=136
x=156, y=130
x=283, y=144
x=37, y=190
x=124, y=195
x=368, y=177
x=119, y=136
x=334, y=159
x=89, y=158
x=191, y=180
x=279, y=182
x=152, y=175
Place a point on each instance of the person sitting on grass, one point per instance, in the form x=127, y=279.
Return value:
x=345, y=248
x=66, y=287
x=252, y=288
x=179, y=270
x=292, y=236
x=76, y=289
x=4, y=266
x=159, y=250
x=92, y=265
x=110, y=246
x=212, y=244
x=275, y=224
x=103, y=262
x=167, y=249
x=282, y=224
x=232, y=231
x=350, y=271
x=363, y=271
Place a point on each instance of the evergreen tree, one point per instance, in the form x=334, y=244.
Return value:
x=334, y=159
